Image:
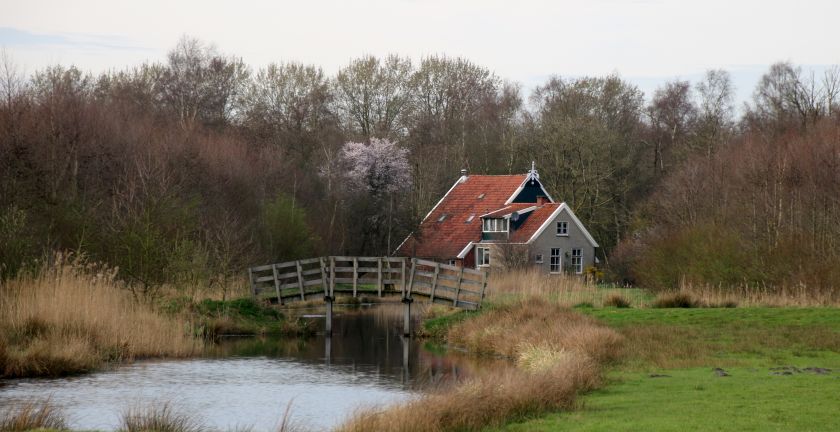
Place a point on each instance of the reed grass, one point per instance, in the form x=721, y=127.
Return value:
x=32, y=415
x=72, y=317
x=557, y=353
x=566, y=290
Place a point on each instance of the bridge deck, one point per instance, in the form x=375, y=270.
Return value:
x=411, y=279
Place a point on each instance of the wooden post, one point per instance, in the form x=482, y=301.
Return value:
x=407, y=293
x=483, y=287
x=277, y=285
x=434, y=283
x=458, y=287
x=407, y=316
x=328, y=324
x=332, y=276
x=355, y=275
x=402, y=276
x=324, y=282
x=379, y=278
x=253, y=285
x=300, y=280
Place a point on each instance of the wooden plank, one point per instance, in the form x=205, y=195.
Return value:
x=355, y=276
x=424, y=262
x=309, y=261
x=368, y=269
x=300, y=279
x=367, y=259
x=379, y=276
x=458, y=288
x=262, y=268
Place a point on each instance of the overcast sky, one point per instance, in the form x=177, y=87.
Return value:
x=645, y=41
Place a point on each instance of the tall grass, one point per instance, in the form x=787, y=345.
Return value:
x=557, y=354
x=800, y=295
x=70, y=317
x=567, y=290
x=31, y=415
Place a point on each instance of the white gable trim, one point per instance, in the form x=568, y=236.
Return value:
x=522, y=186
x=459, y=181
x=403, y=242
x=465, y=251
x=574, y=219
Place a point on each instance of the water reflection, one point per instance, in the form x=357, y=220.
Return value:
x=248, y=381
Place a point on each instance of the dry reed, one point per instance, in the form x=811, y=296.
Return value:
x=762, y=296
x=489, y=399
x=159, y=418
x=70, y=318
x=32, y=415
x=567, y=290
x=558, y=353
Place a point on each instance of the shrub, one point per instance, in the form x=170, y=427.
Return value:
x=678, y=299
x=616, y=300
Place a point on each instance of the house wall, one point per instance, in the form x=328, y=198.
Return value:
x=549, y=239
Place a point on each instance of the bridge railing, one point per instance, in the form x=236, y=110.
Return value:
x=323, y=277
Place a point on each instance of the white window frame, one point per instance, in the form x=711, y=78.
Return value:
x=538, y=258
x=493, y=225
x=551, y=261
x=482, y=254
x=564, y=232
x=577, y=260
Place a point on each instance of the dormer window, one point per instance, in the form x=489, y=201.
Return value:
x=495, y=225
x=562, y=228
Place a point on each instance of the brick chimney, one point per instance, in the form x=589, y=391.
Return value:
x=541, y=200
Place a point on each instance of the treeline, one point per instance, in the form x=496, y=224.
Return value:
x=201, y=165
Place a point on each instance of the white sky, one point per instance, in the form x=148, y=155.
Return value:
x=645, y=41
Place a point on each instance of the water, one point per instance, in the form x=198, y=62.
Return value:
x=248, y=382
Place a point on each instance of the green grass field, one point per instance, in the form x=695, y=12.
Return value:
x=685, y=345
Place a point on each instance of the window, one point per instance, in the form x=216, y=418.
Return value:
x=538, y=259
x=495, y=225
x=452, y=262
x=470, y=219
x=481, y=196
x=577, y=261
x=442, y=217
x=555, y=260
x=482, y=256
x=562, y=228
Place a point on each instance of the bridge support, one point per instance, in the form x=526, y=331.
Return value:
x=407, y=318
x=328, y=324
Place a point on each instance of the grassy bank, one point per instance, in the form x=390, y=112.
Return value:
x=752, y=368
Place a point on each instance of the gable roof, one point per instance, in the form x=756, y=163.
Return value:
x=541, y=218
x=447, y=228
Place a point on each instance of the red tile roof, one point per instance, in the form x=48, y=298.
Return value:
x=534, y=221
x=475, y=196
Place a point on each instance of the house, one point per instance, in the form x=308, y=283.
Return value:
x=502, y=221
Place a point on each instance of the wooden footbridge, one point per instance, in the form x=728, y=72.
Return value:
x=409, y=278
